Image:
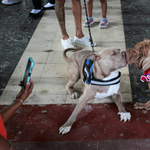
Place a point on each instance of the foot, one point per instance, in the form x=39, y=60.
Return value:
x=103, y=24
x=124, y=116
x=49, y=6
x=74, y=95
x=142, y=106
x=83, y=41
x=64, y=129
x=90, y=21
x=67, y=43
x=10, y=2
x=35, y=13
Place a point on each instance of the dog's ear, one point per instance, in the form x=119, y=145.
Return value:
x=94, y=57
x=146, y=49
x=142, y=48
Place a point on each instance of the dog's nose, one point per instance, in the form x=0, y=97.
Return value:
x=123, y=53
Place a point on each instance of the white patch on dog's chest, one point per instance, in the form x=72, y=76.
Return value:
x=113, y=89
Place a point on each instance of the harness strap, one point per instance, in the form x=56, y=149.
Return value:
x=112, y=81
x=89, y=76
x=88, y=71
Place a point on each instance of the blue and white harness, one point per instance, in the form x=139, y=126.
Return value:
x=89, y=76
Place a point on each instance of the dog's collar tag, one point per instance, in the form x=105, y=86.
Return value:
x=89, y=76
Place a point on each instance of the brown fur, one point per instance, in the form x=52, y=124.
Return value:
x=139, y=56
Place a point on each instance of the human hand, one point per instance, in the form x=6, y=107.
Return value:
x=23, y=94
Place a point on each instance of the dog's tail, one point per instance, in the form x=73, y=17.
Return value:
x=66, y=58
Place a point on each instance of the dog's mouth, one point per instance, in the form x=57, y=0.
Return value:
x=124, y=56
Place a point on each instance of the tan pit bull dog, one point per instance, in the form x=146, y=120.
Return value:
x=101, y=76
x=139, y=56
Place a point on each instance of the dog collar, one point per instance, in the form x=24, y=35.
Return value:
x=146, y=76
x=89, y=76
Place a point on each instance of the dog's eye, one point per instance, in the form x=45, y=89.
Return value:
x=113, y=54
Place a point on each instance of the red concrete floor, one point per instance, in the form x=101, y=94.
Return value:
x=98, y=125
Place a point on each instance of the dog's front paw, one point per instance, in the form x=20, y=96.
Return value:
x=64, y=129
x=124, y=116
x=74, y=95
x=141, y=106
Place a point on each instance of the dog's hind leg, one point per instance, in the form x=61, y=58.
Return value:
x=74, y=76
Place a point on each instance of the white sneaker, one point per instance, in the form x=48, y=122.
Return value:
x=10, y=2
x=84, y=41
x=67, y=43
x=49, y=5
x=35, y=11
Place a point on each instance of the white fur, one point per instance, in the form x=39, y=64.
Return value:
x=124, y=116
x=113, y=89
x=64, y=130
x=74, y=95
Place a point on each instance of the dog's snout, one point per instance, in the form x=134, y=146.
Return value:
x=124, y=53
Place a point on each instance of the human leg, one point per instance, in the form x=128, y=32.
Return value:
x=104, y=8
x=37, y=4
x=36, y=11
x=90, y=7
x=89, y=10
x=79, y=38
x=60, y=13
x=76, y=10
x=52, y=1
x=104, y=21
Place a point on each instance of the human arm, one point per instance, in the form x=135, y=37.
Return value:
x=7, y=112
x=4, y=145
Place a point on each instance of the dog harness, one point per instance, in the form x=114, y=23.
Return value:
x=89, y=76
x=146, y=76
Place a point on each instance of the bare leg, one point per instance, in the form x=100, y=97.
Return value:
x=104, y=8
x=76, y=10
x=60, y=13
x=90, y=8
